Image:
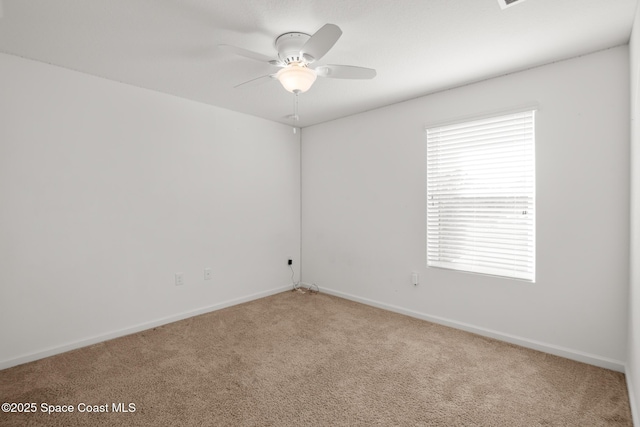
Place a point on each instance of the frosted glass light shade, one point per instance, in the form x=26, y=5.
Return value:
x=296, y=78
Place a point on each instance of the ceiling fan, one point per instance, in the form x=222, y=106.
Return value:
x=296, y=54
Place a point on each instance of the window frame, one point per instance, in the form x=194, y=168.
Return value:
x=443, y=255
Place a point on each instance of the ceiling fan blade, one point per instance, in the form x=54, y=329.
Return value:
x=320, y=43
x=246, y=53
x=257, y=81
x=345, y=72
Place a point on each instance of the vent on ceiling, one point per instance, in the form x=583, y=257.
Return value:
x=508, y=3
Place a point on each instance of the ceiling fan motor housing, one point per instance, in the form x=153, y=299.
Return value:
x=289, y=45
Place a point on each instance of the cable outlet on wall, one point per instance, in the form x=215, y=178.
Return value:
x=289, y=261
x=179, y=279
x=208, y=274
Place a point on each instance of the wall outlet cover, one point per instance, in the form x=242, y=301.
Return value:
x=179, y=279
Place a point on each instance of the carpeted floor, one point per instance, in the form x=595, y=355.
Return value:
x=296, y=359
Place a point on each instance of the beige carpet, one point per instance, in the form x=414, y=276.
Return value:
x=296, y=359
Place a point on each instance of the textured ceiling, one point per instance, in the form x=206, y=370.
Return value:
x=417, y=46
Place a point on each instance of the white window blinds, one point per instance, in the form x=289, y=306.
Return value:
x=481, y=196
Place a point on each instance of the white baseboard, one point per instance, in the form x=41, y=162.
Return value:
x=567, y=353
x=632, y=395
x=133, y=329
x=536, y=345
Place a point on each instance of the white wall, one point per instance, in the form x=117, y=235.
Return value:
x=107, y=190
x=363, y=210
x=633, y=358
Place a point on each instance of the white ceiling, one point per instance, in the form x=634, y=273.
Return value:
x=417, y=46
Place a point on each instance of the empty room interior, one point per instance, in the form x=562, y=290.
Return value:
x=245, y=213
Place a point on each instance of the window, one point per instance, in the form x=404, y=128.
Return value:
x=481, y=196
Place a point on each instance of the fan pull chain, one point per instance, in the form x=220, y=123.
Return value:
x=295, y=111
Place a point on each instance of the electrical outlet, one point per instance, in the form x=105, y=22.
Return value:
x=179, y=279
x=207, y=274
